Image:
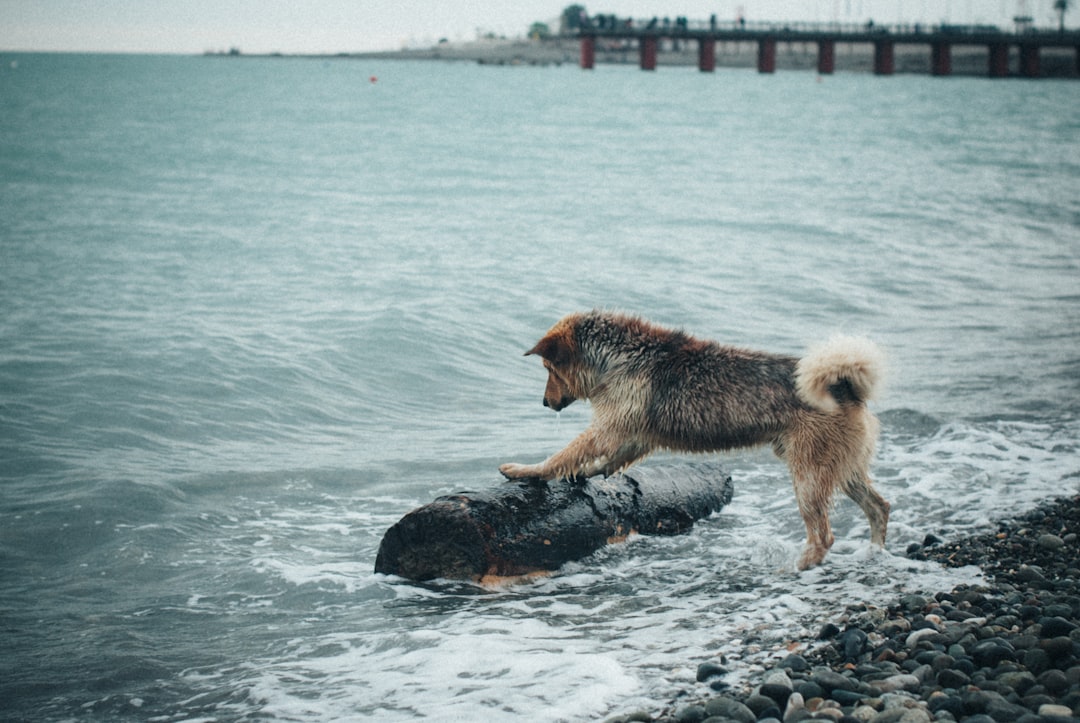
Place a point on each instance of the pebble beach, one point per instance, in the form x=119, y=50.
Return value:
x=1005, y=651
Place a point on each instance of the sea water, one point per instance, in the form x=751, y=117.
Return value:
x=256, y=310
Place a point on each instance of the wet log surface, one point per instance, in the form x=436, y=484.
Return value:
x=523, y=527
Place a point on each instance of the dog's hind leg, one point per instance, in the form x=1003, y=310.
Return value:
x=873, y=505
x=814, y=498
x=814, y=476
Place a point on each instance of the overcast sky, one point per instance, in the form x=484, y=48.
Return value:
x=331, y=26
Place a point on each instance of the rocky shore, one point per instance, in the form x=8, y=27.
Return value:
x=1007, y=651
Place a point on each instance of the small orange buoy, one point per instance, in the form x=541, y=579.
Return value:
x=373, y=80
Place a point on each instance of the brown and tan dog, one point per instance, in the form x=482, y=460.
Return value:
x=655, y=388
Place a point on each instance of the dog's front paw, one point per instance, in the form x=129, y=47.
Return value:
x=518, y=471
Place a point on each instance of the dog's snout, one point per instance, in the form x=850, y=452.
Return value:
x=556, y=394
x=558, y=405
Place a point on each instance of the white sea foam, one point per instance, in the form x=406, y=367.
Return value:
x=500, y=668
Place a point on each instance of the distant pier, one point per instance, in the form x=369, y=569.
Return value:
x=648, y=35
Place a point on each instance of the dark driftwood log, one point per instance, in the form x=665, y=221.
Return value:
x=528, y=526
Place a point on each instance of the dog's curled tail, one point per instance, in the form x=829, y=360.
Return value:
x=843, y=371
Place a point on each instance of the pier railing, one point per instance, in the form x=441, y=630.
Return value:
x=648, y=32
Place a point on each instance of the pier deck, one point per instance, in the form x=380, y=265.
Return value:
x=649, y=34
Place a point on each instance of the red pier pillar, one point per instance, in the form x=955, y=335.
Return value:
x=766, y=55
x=706, y=57
x=826, y=57
x=941, y=58
x=999, y=60
x=588, y=52
x=1029, y=61
x=648, y=45
x=884, y=57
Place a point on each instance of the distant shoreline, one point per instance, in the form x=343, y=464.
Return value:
x=850, y=57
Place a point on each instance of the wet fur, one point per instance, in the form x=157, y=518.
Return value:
x=656, y=388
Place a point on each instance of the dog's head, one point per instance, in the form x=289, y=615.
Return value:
x=559, y=351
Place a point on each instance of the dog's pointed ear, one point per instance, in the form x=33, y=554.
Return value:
x=553, y=348
x=540, y=349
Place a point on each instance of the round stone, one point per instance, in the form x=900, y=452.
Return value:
x=794, y=662
x=852, y=643
x=992, y=651
x=709, y=670
x=950, y=703
x=729, y=708
x=690, y=714
x=809, y=689
x=1056, y=627
x=1054, y=681
x=1052, y=710
x=1051, y=542
x=1020, y=681
x=952, y=678
x=778, y=693
x=830, y=680
x=760, y=703
x=1057, y=648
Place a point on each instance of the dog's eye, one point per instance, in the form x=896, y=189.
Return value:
x=557, y=374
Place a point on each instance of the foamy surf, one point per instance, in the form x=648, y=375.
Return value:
x=627, y=627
